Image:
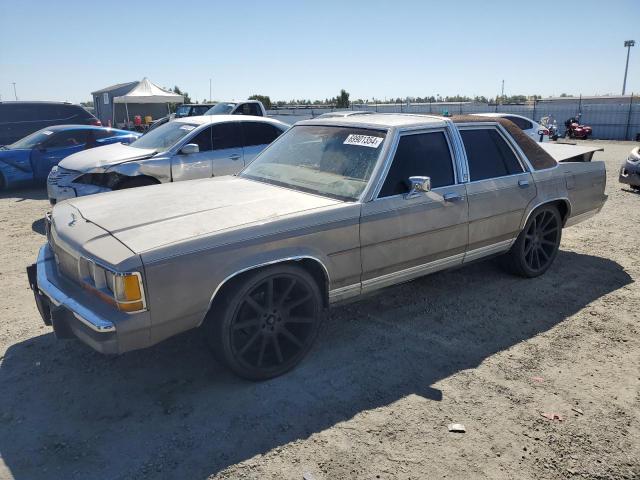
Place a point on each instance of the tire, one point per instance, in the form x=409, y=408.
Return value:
x=536, y=247
x=635, y=187
x=266, y=322
x=134, y=182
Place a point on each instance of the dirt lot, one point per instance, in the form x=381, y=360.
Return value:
x=374, y=398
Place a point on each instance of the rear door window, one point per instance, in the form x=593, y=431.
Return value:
x=227, y=135
x=257, y=133
x=488, y=154
x=422, y=154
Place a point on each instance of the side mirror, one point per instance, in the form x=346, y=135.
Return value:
x=190, y=148
x=419, y=185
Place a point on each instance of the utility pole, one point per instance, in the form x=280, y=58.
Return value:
x=628, y=44
x=502, y=94
x=16, y=95
x=210, y=99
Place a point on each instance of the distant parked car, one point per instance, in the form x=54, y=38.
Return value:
x=183, y=149
x=184, y=110
x=19, y=119
x=31, y=159
x=536, y=131
x=630, y=171
x=193, y=109
x=247, y=107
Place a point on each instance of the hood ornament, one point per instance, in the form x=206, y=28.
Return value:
x=73, y=220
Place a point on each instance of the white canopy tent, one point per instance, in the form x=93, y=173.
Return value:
x=146, y=92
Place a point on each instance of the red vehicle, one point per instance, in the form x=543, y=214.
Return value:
x=575, y=130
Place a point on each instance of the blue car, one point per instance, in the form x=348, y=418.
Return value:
x=30, y=159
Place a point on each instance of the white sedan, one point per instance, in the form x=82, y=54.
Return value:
x=536, y=131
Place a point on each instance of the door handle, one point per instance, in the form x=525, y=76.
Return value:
x=523, y=183
x=235, y=156
x=452, y=197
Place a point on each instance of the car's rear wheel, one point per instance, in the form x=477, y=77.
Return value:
x=266, y=322
x=537, y=245
x=134, y=182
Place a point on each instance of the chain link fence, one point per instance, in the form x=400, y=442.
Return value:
x=610, y=120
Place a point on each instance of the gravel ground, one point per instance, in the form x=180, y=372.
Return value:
x=373, y=399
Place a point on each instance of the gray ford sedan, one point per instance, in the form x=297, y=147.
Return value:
x=333, y=209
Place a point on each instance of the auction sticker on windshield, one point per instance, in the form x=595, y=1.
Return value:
x=47, y=132
x=188, y=128
x=363, y=140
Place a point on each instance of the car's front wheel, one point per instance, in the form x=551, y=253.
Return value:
x=266, y=322
x=536, y=247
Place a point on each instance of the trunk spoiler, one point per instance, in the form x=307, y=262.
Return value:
x=566, y=152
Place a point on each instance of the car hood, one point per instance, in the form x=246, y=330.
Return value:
x=106, y=156
x=147, y=218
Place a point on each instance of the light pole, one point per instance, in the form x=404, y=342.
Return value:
x=628, y=44
x=16, y=95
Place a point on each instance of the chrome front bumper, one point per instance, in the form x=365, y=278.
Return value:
x=69, y=316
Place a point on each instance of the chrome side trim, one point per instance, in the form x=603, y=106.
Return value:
x=343, y=293
x=265, y=264
x=58, y=298
x=487, y=250
x=411, y=273
x=571, y=221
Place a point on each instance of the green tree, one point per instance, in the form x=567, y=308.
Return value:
x=342, y=100
x=266, y=101
x=187, y=98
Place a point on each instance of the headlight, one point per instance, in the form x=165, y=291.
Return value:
x=124, y=290
x=107, y=180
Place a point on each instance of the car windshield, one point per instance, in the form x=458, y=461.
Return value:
x=164, y=137
x=221, y=109
x=332, y=161
x=183, y=111
x=31, y=141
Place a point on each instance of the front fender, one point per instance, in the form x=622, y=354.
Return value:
x=11, y=176
x=158, y=168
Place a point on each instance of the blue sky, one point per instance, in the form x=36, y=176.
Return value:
x=63, y=50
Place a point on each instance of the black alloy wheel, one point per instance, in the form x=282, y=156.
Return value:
x=269, y=322
x=537, y=245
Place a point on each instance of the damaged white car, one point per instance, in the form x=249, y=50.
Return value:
x=185, y=149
